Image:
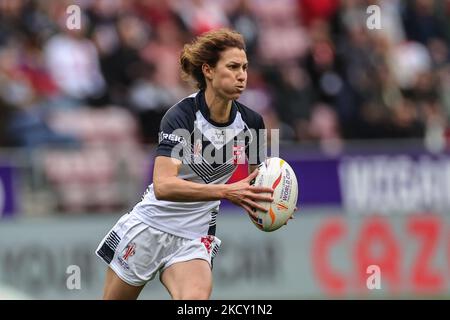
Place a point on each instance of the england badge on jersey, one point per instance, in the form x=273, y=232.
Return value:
x=239, y=153
x=198, y=145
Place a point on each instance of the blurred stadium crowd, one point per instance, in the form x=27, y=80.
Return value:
x=80, y=112
x=316, y=71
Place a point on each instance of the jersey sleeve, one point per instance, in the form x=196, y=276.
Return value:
x=256, y=150
x=174, y=134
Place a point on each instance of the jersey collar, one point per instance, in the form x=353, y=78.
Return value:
x=201, y=105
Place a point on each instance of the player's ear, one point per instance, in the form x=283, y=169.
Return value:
x=207, y=71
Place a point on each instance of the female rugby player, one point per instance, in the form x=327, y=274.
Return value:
x=172, y=230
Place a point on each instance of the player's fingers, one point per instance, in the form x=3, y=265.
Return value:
x=254, y=205
x=249, y=211
x=252, y=175
x=260, y=197
x=261, y=189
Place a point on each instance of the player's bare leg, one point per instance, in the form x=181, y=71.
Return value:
x=117, y=289
x=190, y=280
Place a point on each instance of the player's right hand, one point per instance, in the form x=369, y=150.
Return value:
x=243, y=194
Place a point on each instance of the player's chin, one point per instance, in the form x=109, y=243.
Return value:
x=235, y=95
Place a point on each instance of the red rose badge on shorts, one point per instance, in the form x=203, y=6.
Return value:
x=129, y=251
x=207, y=242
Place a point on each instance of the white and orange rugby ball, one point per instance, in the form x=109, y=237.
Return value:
x=278, y=175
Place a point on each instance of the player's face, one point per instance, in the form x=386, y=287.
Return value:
x=229, y=76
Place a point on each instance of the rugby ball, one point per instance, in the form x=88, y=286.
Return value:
x=277, y=174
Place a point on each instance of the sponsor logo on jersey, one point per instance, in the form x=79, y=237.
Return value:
x=170, y=137
x=217, y=137
x=219, y=133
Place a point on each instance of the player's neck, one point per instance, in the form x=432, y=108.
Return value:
x=219, y=108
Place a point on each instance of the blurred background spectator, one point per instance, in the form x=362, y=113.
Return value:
x=316, y=72
x=313, y=64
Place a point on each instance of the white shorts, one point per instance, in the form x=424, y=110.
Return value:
x=136, y=252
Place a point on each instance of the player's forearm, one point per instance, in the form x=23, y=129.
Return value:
x=176, y=189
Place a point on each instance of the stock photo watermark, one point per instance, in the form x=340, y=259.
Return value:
x=223, y=146
x=373, y=281
x=373, y=22
x=73, y=281
x=73, y=21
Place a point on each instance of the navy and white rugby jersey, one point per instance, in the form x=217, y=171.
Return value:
x=210, y=153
